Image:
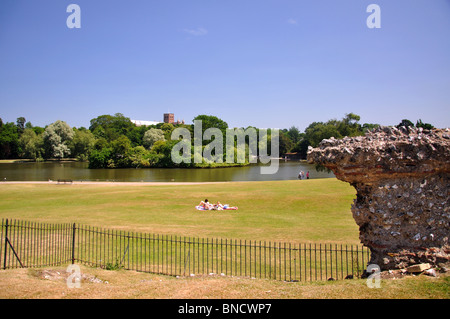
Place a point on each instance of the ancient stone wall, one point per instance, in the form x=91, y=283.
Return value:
x=401, y=176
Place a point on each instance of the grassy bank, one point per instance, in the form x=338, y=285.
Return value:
x=293, y=211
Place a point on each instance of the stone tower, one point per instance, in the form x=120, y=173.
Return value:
x=169, y=118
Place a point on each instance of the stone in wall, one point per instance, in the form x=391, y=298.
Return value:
x=401, y=177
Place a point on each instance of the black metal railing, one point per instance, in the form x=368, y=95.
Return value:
x=28, y=244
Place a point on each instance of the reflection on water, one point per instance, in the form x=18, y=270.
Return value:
x=80, y=172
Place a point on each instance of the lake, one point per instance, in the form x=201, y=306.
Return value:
x=79, y=171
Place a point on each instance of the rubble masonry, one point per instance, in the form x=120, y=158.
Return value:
x=401, y=176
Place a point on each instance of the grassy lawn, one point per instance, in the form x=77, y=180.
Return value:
x=311, y=211
x=316, y=211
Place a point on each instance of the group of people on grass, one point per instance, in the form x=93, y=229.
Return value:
x=206, y=205
x=301, y=175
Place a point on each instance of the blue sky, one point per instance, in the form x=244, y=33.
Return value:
x=265, y=63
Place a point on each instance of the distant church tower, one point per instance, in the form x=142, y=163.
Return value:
x=169, y=118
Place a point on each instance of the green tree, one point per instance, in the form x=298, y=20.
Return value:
x=161, y=155
x=31, y=145
x=426, y=126
x=139, y=157
x=167, y=129
x=302, y=147
x=285, y=144
x=349, y=125
x=406, y=123
x=419, y=123
x=99, y=158
x=136, y=134
x=151, y=136
x=111, y=127
x=82, y=143
x=317, y=131
x=209, y=121
x=21, y=124
x=100, y=143
x=368, y=127
x=57, y=137
x=9, y=140
x=120, y=148
x=294, y=134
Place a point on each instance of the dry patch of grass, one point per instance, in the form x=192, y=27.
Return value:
x=51, y=283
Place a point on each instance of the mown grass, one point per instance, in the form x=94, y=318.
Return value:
x=305, y=211
x=293, y=211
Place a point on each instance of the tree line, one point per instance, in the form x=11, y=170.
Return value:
x=114, y=141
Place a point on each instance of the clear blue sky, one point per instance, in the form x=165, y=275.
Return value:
x=266, y=63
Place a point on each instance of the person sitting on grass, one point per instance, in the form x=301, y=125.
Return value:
x=206, y=205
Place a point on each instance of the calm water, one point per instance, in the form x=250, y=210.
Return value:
x=79, y=171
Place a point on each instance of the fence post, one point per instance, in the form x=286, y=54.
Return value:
x=6, y=244
x=73, y=244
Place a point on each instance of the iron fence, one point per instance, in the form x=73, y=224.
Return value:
x=28, y=244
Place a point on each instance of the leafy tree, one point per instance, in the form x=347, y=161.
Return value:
x=111, y=127
x=405, y=123
x=285, y=144
x=301, y=147
x=294, y=134
x=419, y=123
x=368, y=127
x=82, y=144
x=138, y=157
x=57, y=137
x=426, y=126
x=151, y=136
x=209, y=121
x=99, y=158
x=351, y=119
x=37, y=129
x=162, y=151
x=120, y=149
x=100, y=143
x=121, y=145
x=349, y=125
x=21, y=124
x=9, y=140
x=136, y=134
x=31, y=144
x=167, y=129
x=317, y=131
